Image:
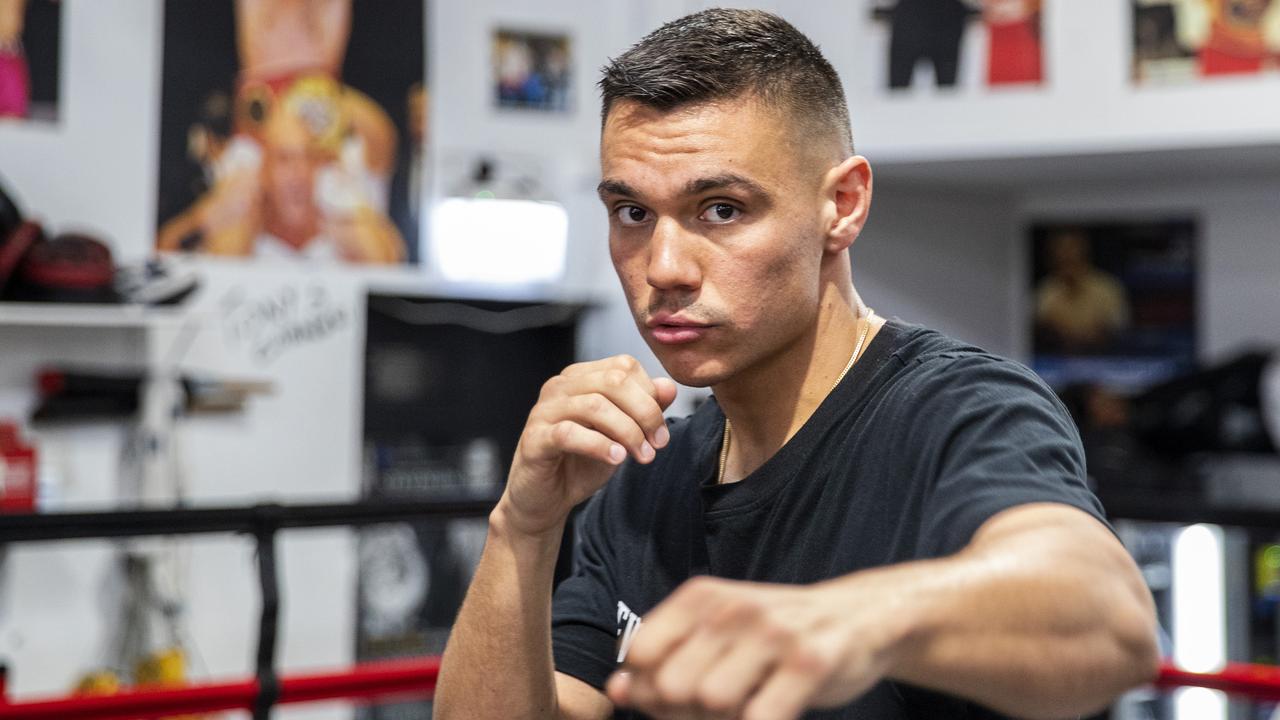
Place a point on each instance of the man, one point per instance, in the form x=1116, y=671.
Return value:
x=926, y=30
x=1237, y=42
x=1079, y=307
x=1014, y=49
x=870, y=520
x=307, y=171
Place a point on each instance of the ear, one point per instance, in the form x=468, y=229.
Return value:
x=847, y=193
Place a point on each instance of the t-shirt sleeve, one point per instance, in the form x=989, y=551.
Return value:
x=996, y=438
x=583, y=609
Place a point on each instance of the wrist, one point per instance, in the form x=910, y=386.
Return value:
x=907, y=599
x=507, y=524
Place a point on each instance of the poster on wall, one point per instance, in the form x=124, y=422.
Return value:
x=1178, y=41
x=932, y=43
x=1114, y=302
x=531, y=71
x=30, y=55
x=293, y=130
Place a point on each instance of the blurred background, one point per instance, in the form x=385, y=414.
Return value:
x=326, y=251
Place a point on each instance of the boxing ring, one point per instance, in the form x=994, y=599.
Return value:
x=381, y=681
x=416, y=680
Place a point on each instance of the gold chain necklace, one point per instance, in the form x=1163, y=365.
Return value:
x=857, y=350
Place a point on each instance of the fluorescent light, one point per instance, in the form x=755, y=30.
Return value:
x=1195, y=703
x=1199, y=618
x=478, y=240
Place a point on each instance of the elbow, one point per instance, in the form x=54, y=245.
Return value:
x=1137, y=631
x=1137, y=638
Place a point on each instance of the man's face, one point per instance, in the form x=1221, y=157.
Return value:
x=716, y=232
x=1069, y=255
x=289, y=178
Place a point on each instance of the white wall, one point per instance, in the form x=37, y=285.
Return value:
x=942, y=260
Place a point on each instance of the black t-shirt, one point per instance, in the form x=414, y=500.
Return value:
x=923, y=441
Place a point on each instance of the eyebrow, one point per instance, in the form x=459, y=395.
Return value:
x=696, y=186
x=615, y=187
x=723, y=181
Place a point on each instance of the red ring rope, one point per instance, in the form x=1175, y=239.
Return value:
x=409, y=679
x=1260, y=682
x=416, y=679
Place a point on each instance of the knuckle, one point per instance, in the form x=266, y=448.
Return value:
x=696, y=588
x=641, y=656
x=714, y=699
x=591, y=404
x=615, y=378
x=809, y=661
x=626, y=363
x=734, y=614
x=551, y=387
x=562, y=432
x=671, y=691
x=774, y=633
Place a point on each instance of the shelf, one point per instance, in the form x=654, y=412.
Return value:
x=1143, y=168
x=84, y=315
x=413, y=282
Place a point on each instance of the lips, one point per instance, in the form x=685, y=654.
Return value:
x=670, y=329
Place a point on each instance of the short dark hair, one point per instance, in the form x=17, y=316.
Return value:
x=722, y=53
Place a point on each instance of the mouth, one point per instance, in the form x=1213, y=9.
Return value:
x=669, y=329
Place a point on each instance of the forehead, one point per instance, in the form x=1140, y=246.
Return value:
x=664, y=148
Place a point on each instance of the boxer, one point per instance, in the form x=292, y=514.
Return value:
x=868, y=520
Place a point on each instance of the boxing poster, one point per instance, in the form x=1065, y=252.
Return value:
x=950, y=44
x=1113, y=303
x=293, y=129
x=30, y=55
x=1177, y=41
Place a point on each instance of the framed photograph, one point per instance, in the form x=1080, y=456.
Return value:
x=930, y=42
x=1178, y=41
x=30, y=59
x=532, y=71
x=293, y=130
x=1114, y=303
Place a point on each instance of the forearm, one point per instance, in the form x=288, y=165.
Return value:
x=1040, y=626
x=498, y=661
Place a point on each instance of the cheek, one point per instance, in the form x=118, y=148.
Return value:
x=630, y=268
x=778, y=288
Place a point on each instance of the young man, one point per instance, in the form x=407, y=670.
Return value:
x=869, y=521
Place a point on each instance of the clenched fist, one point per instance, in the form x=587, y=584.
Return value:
x=586, y=422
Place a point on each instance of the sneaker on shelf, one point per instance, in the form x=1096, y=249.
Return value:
x=156, y=282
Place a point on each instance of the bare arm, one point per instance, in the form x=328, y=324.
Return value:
x=504, y=632
x=498, y=662
x=1043, y=615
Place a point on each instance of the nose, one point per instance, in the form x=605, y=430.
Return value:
x=673, y=257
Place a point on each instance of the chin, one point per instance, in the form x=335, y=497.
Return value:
x=691, y=371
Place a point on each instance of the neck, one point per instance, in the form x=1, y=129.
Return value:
x=769, y=402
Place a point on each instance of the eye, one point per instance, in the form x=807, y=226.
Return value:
x=720, y=213
x=631, y=215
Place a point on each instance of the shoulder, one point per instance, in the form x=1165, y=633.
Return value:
x=1105, y=282
x=936, y=371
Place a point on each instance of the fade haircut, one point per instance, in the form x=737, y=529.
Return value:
x=720, y=54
